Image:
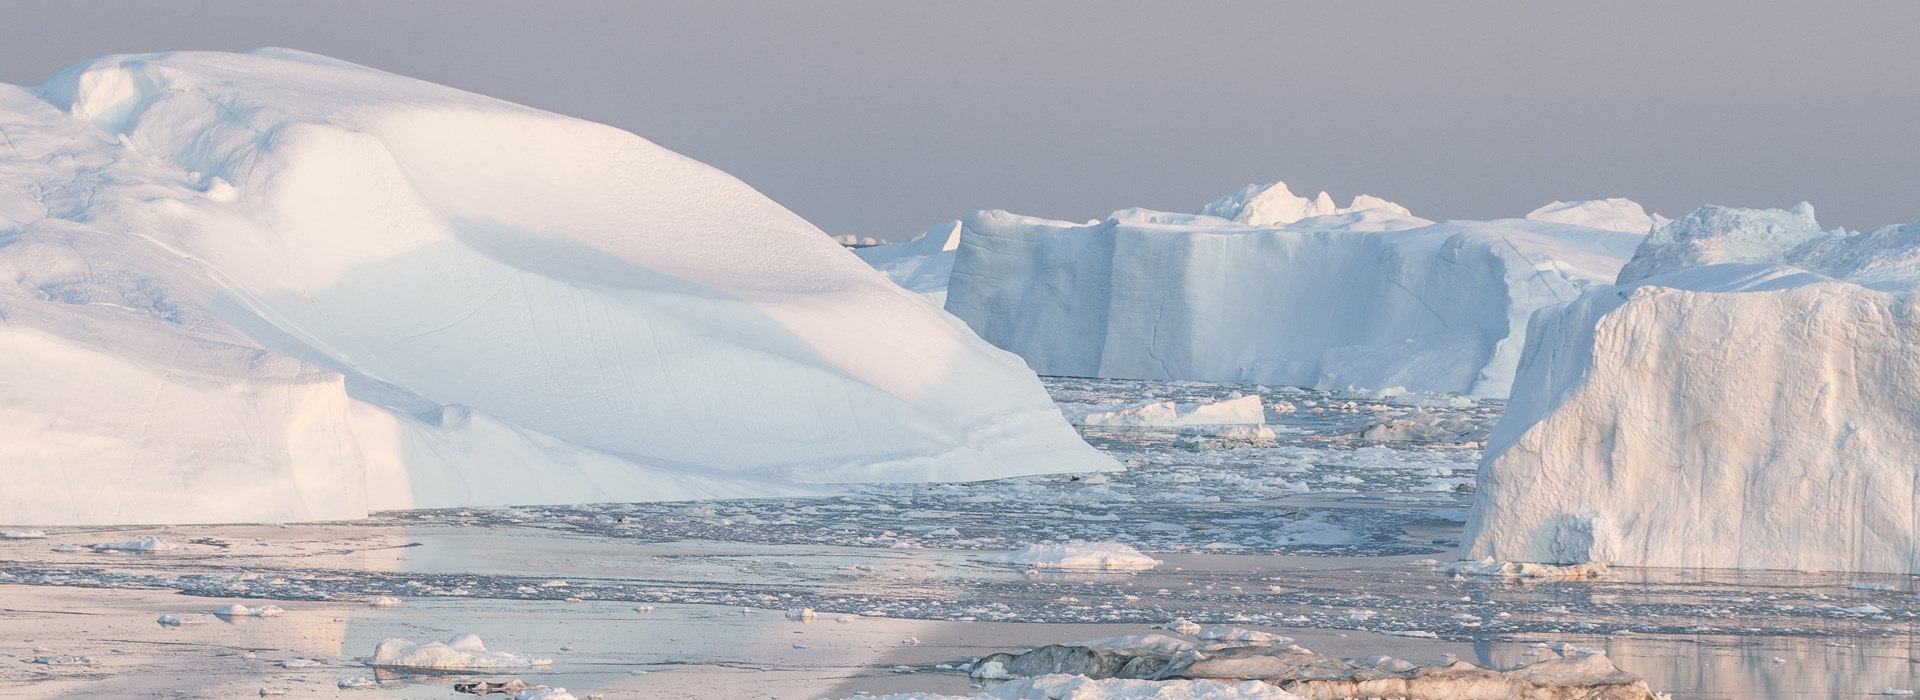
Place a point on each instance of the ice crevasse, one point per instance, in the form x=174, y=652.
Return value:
x=1743, y=398
x=275, y=286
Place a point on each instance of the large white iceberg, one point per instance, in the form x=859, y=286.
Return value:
x=276, y=286
x=1745, y=398
x=1371, y=297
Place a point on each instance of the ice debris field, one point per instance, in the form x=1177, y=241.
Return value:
x=1342, y=543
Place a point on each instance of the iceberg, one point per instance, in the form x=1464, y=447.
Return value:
x=922, y=265
x=1370, y=297
x=1743, y=398
x=274, y=287
x=1614, y=214
x=1273, y=204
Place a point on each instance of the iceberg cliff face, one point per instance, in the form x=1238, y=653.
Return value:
x=304, y=288
x=1745, y=398
x=1369, y=298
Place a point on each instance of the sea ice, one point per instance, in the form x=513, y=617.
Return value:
x=143, y=544
x=1110, y=556
x=461, y=652
x=1240, y=410
x=238, y=610
x=1576, y=673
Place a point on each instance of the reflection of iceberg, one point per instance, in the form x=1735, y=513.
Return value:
x=274, y=286
x=1746, y=667
x=1158, y=669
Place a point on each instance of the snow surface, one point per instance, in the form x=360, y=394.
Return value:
x=461, y=652
x=1371, y=297
x=277, y=287
x=1745, y=398
x=1109, y=556
x=1615, y=214
x=1272, y=204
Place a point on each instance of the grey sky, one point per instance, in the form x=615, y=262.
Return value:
x=881, y=118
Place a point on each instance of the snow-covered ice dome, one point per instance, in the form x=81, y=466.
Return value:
x=1744, y=398
x=276, y=286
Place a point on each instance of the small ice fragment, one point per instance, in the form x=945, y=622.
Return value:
x=144, y=544
x=238, y=610
x=1181, y=625
x=63, y=660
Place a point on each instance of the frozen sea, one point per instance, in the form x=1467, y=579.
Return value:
x=1325, y=533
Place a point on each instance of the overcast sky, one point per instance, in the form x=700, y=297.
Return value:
x=881, y=118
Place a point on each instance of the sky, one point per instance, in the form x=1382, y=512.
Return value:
x=884, y=118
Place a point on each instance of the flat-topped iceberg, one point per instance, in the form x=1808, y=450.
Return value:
x=1372, y=297
x=1264, y=286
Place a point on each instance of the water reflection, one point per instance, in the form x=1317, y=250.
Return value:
x=1717, y=666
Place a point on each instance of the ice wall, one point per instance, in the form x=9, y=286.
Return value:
x=1745, y=398
x=1371, y=297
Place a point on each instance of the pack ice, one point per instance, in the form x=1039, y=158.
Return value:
x=1264, y=286
x=1743, y=398
x=275, y=286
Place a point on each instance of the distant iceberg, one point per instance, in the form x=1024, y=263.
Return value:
x=1264, y=286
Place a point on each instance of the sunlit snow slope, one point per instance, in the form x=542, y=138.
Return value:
x=1310, y=295
x=275, y=286
x=1744, y=398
